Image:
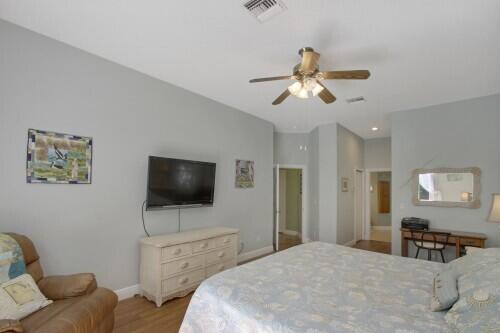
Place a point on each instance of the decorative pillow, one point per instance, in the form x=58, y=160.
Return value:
x=445, y=291
x=472, y=249
x=11, y=259
x=474, y=261
x=21, y=297
x=478, y=308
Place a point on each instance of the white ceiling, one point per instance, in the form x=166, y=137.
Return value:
x=420, y=52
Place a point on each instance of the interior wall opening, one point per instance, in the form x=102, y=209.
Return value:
x=290, y=208
x=380, y=206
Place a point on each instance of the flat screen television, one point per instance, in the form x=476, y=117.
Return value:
x=174, y=183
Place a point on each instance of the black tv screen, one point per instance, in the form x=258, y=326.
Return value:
x=175, y=183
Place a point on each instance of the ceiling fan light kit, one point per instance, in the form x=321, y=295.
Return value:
x=309, y=78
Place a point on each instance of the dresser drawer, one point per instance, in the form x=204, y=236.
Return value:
x=228, y=240
x=203, y=245
x=470, y=242
x=175, y=251
x=220, y=255
x=214, y=269
x=181, y=265
x=182, y=281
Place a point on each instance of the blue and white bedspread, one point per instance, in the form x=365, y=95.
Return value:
x=319, y=287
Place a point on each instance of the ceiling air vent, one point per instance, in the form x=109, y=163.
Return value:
x=359, y=99
x=264, y=10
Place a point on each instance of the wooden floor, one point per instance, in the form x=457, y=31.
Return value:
x=287, y=241
x=375, y=246
x=137, y=315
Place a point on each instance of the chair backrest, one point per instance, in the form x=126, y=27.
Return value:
x=436, y=237
x=31, y=258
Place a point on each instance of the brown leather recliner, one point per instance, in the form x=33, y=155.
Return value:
x=79, y=305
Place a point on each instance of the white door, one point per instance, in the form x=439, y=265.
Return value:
x=276, y=201
x=358, y=205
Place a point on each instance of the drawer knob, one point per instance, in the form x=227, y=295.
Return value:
x=227, y=240
x=178, y=251
x=184, y=265
x=221, y=254
x=184, y=280
x=204, y=245
x=221, y=268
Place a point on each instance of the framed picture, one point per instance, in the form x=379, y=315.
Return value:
x=244, y=174
x=345, y=184
x=55, y=158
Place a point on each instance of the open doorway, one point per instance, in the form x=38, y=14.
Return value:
x=290, y=201
x=379, y=200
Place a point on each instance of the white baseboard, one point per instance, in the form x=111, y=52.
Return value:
x=255, y=253
x=291, y=232
x=128, y=292
x=381, y=227
x=350, y=243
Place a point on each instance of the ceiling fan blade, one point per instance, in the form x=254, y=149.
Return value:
x=281, y=97
x=274, y=78
x=309, y=62
x=346, y=75
x=326, y=95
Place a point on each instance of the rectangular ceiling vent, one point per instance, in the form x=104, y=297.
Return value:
x=264, y=10
x=359, y=99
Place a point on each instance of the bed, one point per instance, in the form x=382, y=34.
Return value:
x=319, y=287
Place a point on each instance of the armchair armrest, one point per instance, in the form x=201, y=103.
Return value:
x=10, y=326
x=68, y=286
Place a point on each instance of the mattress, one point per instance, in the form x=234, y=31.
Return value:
x=319, y=287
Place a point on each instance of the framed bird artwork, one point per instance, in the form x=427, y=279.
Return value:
x=56, y=158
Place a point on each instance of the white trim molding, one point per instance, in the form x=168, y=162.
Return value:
x=350, y=243
x=381, y=227
x=128, y=292
x=255, y=253
x=304, y=232
x=291, y=232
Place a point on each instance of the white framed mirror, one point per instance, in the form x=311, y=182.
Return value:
x=447, y=187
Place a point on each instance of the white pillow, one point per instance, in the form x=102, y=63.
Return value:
x=472, y=249
x=20, y=297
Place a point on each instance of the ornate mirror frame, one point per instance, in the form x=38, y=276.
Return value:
x=476, y=203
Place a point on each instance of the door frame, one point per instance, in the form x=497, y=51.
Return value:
x=361, y=205
x=304, y=230
x=367, y=224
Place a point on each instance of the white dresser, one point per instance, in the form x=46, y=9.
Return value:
x=173, y=265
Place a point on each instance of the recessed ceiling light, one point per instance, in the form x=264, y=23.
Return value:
x=374, y=128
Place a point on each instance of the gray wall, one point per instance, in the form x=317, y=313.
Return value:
x=350, y=157
x=313, y=174
x=287, y=148
x=377, y=153
x=47, y=85
x=460, y=134
x=327, y=183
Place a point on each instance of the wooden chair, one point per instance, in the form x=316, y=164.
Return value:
x=430, y=241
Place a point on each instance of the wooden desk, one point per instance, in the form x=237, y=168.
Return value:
x=457, y=239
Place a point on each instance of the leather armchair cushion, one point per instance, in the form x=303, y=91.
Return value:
x=68, y=286
x=10, y=326
x=74, y=315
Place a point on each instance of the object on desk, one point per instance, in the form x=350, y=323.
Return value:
x=430, y=241
x=414, y=223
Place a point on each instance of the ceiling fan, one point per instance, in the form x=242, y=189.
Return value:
x=309, y=78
